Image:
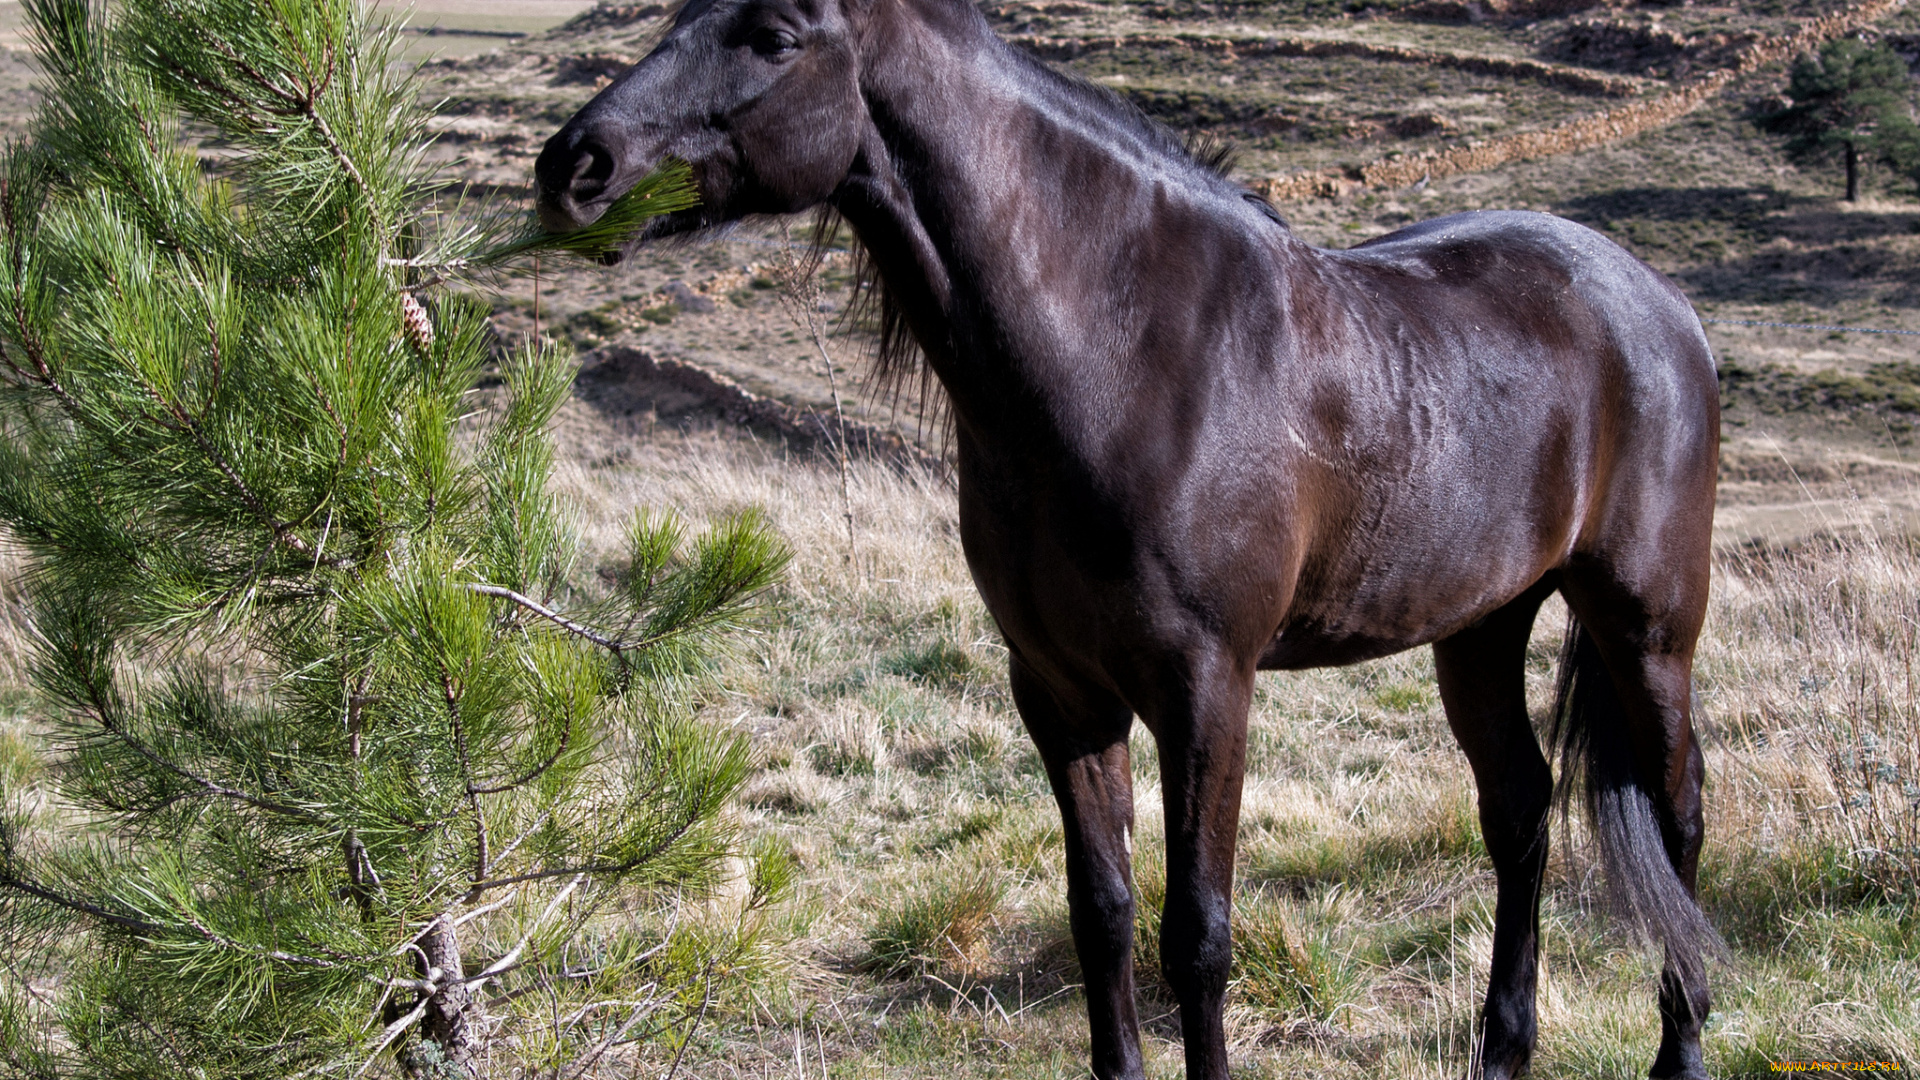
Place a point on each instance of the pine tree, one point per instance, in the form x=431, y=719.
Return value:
x=1853, y=100
x=349, y=767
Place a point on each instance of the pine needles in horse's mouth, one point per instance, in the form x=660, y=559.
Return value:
x=666, y=190
x=501, y=239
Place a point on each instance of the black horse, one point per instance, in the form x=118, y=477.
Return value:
x=1191, y=446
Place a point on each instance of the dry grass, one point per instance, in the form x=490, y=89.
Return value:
x=931, y=928
x=928, y=932
x=1810, y=674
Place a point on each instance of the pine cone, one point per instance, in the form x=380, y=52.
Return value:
x=419, y=326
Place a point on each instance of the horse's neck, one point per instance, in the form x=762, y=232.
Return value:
x=1008, y=213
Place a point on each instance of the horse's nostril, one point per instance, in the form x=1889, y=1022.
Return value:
x=573, y=173
x=593, y=168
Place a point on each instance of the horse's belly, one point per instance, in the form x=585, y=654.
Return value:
x=1374, y=610
x=1296, y=648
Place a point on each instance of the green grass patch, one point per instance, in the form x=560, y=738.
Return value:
x=1297, y=961
x=940, y=926
x=939, y=662
x=1405, y=697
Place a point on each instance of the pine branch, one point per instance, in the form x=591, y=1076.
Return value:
x=302, y=103
x=21, y=317
x=532, y=827
x=213, y=937
x=282, y=531
x=179, y=1058
x=596, y=869
x=716, y=594
x=113, y=918
x=507, y=961
x=566, y=736
x=393, y=1031
x=579, y=630
x=498, y=245
x=480, y=862
x=101, y=711
x=613, y=869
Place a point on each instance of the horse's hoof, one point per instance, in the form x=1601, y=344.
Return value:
x=1695, y=1069
x=1507, y=1069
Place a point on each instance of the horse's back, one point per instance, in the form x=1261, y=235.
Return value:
x=1523, y=253
x=1513, y=392
x=1620, y=352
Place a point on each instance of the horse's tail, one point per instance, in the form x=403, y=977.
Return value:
x=1590, y=736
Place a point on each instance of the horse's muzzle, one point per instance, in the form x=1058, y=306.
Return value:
x=571, y=179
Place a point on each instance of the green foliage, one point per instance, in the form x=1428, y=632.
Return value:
x=340, y=751
x=1852, y=101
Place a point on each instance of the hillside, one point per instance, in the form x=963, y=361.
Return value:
x=1327, y=103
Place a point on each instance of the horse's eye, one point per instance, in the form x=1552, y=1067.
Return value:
x=771, y=41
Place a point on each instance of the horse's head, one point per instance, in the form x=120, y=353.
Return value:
x=760, y=97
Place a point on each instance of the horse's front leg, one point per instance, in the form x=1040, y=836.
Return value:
x=1082, y=738
x=1200, y=724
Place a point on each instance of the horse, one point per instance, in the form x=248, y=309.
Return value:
x=1190, y=446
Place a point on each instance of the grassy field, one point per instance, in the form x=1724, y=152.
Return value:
x=928, y=936
x=927, y=932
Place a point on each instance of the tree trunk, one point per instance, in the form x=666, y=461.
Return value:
x=454, y=1017
x=1853, y=173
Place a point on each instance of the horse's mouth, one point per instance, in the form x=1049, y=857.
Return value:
x=557, y=218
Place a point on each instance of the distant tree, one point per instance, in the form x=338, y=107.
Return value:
x=346, y=767
x=1852, y=101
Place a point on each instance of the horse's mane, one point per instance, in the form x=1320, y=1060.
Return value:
x=1213, y=154
x=897, y=366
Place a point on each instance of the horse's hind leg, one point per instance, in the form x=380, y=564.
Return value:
x=1083, y=741
x=1629, y=715
x=1482, y=684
